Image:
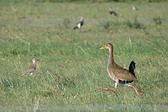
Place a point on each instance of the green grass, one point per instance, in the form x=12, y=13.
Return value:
x=71, y=65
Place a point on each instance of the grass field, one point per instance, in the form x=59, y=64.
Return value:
x=71, y=65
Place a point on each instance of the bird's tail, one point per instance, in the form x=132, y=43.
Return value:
x=75, y=27
x=132, y=68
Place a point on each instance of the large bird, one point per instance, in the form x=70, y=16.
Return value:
x=79, y=24
x=120, y=75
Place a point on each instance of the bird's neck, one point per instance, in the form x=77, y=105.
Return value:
x=81, y=22
x=110, y=58
x=34, y=65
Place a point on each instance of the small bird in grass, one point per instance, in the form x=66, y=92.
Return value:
x=134, y=8
x=79, y=24
x=112, y=12
x=120, y=75
x=32, y=68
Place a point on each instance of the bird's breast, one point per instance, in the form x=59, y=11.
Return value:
x=112, y=75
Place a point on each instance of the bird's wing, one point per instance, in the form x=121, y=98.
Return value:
x=123, y=74
x=30, y=70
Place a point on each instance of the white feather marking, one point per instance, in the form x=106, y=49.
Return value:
x=79, y=25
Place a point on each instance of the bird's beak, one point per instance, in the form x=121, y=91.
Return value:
x=103, y=47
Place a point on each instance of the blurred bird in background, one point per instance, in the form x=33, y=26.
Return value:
x=80, y=23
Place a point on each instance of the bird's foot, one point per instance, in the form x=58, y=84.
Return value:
x=138, y=93
x=133, y=86
x=103, y=88
x=106, y=89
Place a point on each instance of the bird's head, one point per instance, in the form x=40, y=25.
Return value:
x=107, y=46
x=34, y=60
x=81, y=18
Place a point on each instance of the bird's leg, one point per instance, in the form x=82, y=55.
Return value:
x=107, y=89
x=132, y=86
x=110, y=90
